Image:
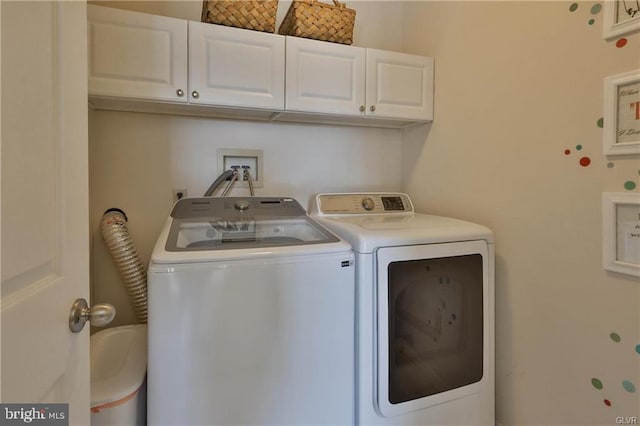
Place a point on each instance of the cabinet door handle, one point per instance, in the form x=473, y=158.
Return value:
x=195, y=94
x=180, y=93
x=372, y=108
x=362, y=108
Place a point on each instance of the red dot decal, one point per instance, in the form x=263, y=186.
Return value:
x=621, y=43
x=567, y=151
x=607, y=403
x=585, y=161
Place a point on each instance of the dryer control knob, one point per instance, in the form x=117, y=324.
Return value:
x=368, y=204
x=241, y=205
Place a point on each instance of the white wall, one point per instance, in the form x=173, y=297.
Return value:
x=518, y=83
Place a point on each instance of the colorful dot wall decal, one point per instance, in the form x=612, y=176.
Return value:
x=628, y=386
x=567, y=151
x=596, y=383
x=578, y=147
x=607, y=403
x=610, y=165
x=573, y=7
x=621, y=43
x=615, y=337
x=600, y=122
x=630, y=185
x=596, y=9
x=591, y=21
x=585, y=161
x=638, y=349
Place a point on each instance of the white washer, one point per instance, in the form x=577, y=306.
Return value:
x=251, y=317
x=424, y=313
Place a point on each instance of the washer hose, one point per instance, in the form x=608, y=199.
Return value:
x=123, y=252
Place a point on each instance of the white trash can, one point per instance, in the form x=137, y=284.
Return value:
x=118, y=371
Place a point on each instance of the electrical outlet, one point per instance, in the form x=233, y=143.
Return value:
x=178, y=194
x=251, y=158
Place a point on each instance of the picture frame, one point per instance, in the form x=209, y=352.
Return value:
x=621, y=17
x=621, y=128
x=621, y=232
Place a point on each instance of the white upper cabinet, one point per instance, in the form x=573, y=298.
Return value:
x=149, y=63
x=399, y=85
x=325, y=77
x=136, y=55
x=346, y=80
x=235, y=67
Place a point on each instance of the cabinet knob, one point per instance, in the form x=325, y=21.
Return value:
x=180, y=93
x=195, y=94
x=362, y=108
x=372, y=108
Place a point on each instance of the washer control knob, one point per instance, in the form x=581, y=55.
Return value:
x=368, y=204
x=241, y=205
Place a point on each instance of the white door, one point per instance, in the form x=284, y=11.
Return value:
x=235, y=67
x=399, y=85
x=136, y=55
x=44, y=196
x=324, y=77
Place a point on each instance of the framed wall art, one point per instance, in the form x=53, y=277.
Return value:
x=622, y=114
x=621, y=17
x=621, y=232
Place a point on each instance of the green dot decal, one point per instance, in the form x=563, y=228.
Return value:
x=610, y=165
x=578, y=147
x=596, y=9
x=630, y=185
x=615, y=337
x=638, y=349
x=596, y=383
x=591, y=21
x=600, y=122
x=573, y=7
x=628, y=386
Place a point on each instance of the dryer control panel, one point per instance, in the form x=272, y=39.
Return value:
x=363, y=203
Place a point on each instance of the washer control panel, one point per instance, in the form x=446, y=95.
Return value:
x=363, y=203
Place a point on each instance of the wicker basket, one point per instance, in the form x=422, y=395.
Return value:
x=258, y=15
x=319, y=21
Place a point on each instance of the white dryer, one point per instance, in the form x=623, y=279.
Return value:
x=424, y=313
x=251, y=317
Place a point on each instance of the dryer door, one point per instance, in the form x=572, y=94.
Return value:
x=433, y=324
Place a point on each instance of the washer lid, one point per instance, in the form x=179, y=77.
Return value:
x=204, y=224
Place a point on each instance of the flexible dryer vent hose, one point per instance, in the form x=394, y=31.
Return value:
x=115, y=234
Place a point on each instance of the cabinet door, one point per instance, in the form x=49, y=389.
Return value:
x=235, y=67
x=136, y=55
x=399, y=85
x=324, y=77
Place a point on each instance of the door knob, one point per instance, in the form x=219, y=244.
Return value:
x=98, y=315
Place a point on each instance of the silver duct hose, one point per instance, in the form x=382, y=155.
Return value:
x=123, y=252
